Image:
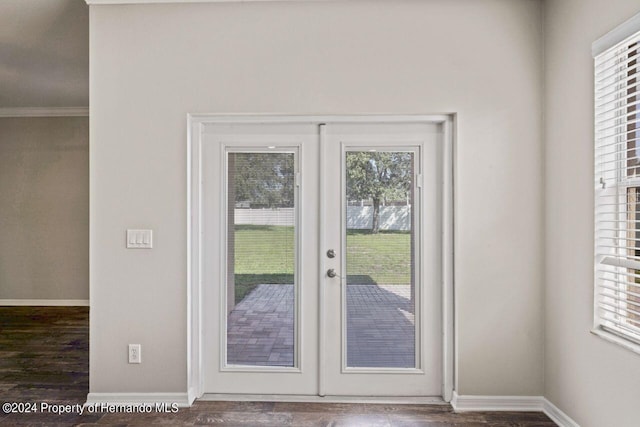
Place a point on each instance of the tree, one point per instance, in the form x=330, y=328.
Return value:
x=264, y=179
x=378, y=176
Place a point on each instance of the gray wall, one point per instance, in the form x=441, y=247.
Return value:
x=151, y=65
x=44, y=208
x=595, y=382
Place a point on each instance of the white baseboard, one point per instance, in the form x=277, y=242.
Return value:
x=496, y=403
x=557, y=416
x=46, y=302
x=191, y=395
x=182, y=399
x=512, y=403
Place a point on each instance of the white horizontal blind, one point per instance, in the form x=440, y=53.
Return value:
x=617, y=189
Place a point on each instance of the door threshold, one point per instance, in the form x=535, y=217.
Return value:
x=395, y=400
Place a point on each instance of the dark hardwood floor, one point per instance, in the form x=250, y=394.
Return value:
x=44, y=358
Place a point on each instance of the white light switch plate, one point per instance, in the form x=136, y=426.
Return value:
x=139, y=239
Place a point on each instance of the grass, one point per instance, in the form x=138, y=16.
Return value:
x=378, y=258
x=265, y=254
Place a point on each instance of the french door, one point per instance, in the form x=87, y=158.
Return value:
x=321, y=258
x=381, y=325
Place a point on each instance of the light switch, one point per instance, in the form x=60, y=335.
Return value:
x=139, y=239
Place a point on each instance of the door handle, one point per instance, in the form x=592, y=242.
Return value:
x=331, y=273
x=331, y=253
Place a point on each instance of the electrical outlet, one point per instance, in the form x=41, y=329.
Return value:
x=135, y=353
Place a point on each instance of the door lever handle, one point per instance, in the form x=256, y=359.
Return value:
x=331, y=273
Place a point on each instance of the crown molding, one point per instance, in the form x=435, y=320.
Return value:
x=45, y=112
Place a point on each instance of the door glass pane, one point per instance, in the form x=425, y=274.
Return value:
x=380, y=289
x=261, y=259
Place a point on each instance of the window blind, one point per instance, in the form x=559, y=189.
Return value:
x=617, y=189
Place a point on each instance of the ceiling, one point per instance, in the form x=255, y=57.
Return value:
x=44, y=53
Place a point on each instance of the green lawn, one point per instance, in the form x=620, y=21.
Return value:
x=382, y=258
x=265, y=254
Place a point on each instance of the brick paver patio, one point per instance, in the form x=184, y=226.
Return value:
x=380, y=327
x=260, y=328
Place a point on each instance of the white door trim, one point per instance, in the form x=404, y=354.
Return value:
x=195, y=125
x=322, y=338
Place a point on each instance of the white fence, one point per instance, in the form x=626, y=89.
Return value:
x=278, y=216
x=391, y=217
x=358, y=217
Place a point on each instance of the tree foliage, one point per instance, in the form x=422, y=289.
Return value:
x=268, y=179
x=264, y=179
x=378, y=176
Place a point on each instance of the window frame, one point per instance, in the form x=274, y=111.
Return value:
x=615, y=268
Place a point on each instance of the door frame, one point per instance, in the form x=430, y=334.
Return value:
x=195, y=127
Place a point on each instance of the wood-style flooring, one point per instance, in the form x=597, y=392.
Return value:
x=44, y=357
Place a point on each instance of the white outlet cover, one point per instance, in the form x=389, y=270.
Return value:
x=135, y=353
